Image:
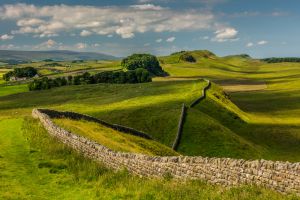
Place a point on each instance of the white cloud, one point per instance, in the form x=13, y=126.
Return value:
x=85, y=33
x=30, y=22
x=205, y=37
x=262, y=42
x=50, y=43
x=8, y=46
x=49, y=21
x=81, y=45
x=6, y=37
x=158, y=40
x=225, y=34
x=171, y=39
x=250, y=44
x=147, y=7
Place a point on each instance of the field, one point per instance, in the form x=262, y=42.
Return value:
x=113, y=139
x=257, y=117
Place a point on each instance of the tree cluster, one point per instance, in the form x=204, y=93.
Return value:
x=54, y=64
x=132, y=76
x=186, y=57
x=27, y=72
x=279, y=60
x=145, y=61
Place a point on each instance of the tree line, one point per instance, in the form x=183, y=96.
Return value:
x=26, y=72
x=279, y=60
x=120, y=77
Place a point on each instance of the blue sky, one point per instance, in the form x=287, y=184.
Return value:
x=259, y=28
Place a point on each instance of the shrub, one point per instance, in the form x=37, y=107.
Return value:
x=186, y=57
x=145, y=61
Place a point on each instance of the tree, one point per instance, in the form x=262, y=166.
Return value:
x=187, y=58
x=8, y=75
x=70, y=79
x=145, y=61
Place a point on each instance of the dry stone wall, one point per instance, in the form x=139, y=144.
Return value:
x=184, y=113
x=77, y=116
x=203, y=94
x=180, y=127
x=281, y=176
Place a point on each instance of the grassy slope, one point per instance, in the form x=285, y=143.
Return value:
x=206, y=131
x=152, y=107
x=35, y=166
x=125, y=105
x=271, y=119
x=13, y=89
x=114, y=139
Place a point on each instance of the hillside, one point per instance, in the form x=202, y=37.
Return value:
x=251, y=111
x=113, y=139
x=28, y=56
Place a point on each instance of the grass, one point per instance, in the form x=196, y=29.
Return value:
x=152, y=107
x=36, y=166
x=244, y=124
x=13, y=89
x=113, y=139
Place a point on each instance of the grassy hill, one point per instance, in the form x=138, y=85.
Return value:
x=257, y=116
x=113, y=139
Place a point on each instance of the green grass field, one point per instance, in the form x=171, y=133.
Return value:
x=113, y=139
x=258, y=117
x=36, y=166
x=13, y=89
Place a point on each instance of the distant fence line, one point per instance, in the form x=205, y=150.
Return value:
x=280, y=176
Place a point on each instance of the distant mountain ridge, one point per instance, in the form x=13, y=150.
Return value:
x=56, y=55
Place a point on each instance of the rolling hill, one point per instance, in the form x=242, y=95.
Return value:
x=238, y=119
x=63, y=55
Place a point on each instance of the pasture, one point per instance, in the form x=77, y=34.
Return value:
x=256, y=117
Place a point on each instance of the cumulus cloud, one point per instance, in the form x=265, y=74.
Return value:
x=85, y=33
x=81, y=45
x=262, y=42
x=6, y=37
x=249, y=44
x=171, y=39
x=8, y=46
x=225, y=34
x=158, y=40
x=147, y=7
x=49, y=21
x=49, y=44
